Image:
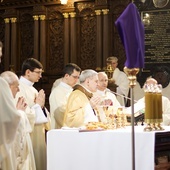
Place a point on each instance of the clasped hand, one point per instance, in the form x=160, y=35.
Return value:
x=40, y=99
x=21, y=104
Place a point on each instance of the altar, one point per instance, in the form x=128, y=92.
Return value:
x=70, y=149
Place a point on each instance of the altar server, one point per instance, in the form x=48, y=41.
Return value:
x=37, y=114
x=59, y=95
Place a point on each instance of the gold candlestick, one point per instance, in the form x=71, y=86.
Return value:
x=159, y=111
x=148, y=110
x=131, y=73
x=109, y=71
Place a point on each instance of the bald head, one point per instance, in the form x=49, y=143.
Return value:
x=102, y=81
x=151, y=81
x=102, y=75
x=12, y=79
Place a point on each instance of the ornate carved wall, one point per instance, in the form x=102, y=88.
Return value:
x=82, y=32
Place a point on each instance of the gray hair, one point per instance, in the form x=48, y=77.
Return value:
x=9, y=77
x=89, y=73
x=112, y=58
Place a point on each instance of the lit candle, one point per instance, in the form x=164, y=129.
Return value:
x=148, y=107
x=155, y=110
x=131, y=31
x=159, y=106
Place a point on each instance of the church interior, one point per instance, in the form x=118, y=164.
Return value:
x=57, y=32
x=80, y=31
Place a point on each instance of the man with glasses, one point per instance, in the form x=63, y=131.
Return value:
x=82, y=104
x=37, y=114
x=59, y=95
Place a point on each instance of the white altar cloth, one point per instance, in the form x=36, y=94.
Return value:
x=102, y=150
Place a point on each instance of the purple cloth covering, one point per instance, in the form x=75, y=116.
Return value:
x=131, y=31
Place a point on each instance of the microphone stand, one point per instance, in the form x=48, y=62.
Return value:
x=131, y=73
x=117, y=94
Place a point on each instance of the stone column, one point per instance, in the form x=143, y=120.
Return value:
x=36, y=37
x=14, y=41
x=43, y=47
x=105, y=35
x=66, y=38
x=7, y=52
x=73, y=37
x=99, y=49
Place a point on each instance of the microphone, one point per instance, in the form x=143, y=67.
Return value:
x=117, y=94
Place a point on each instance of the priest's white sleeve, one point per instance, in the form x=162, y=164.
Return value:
x=39, y=114
x=166, y=111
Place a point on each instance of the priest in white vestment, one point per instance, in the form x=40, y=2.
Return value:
x=36, y=112
x=9, y=121
x=108, y=98
x=22, y=146
x=120, y=79
x=59, y=94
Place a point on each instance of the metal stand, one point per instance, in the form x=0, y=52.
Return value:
x=133, y=131
x=131, y=73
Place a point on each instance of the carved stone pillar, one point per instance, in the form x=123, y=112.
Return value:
x=43, y=47
x=7, y=44
x=73, y=37
x=36, y=37
x=66, y=38
x=105, y=35
x=13, y=44
x=99, y=50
